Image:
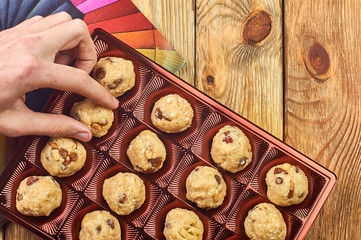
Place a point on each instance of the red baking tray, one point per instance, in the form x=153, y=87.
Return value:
x=165, y=188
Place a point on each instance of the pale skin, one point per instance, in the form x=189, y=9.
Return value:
x=35, y=54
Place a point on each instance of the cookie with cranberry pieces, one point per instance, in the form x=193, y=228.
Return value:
x=231, y=149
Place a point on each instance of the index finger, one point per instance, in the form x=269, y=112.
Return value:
x=67, y=78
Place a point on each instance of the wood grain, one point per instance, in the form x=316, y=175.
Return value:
x=175, y=19
x=2, y=229
x=239, y=58
x=322, y=103
x=14, y=232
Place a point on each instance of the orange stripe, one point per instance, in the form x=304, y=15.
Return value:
x=141, y=39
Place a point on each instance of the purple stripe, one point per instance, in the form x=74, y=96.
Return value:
x=91, y=5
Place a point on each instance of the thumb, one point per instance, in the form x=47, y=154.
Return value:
x=53, y=125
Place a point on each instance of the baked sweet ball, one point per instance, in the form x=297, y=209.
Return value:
x=206, y=187
x=182, y=224
x=124, y=193
x=147, y=152
x=115, y=74
x=286, y=185
x=99, y=119
x=100, y=225
x=231, y=149
x=63, y=157
x=265, y=222
x=172, y=114
x=38, y=196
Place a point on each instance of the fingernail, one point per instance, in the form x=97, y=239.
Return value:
x=82, y=136
x=116, y=101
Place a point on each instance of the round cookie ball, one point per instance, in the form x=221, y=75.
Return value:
x=286, y=185
x=115, y=74
x=124, y=193
x=99, y=119
x=99, y=225
x=205, y=187
x=231, y=149
x=146, y=152
x=172, y=114
x=182, y=224
x=38, y=196
x=265, y=222
x=62, y=157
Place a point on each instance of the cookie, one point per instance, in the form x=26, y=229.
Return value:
x=38, y=196
x=182, y=224
x=172, y=114
x=99, y=119
x=205, y=187
x=62, y=157
x=124, y=193
x=265, y=222
x=286, y=185
x=115, y=74
x=99, y=225
x=231, y=149
x=146, y=152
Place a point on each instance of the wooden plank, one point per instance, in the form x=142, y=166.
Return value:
x=175, y=19
x=14, y=232
x=2, y=230
x=322, y=103
x=239, y=58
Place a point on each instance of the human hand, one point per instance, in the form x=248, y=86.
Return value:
x=35, y=54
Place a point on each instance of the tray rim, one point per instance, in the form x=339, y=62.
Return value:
x=219, y=108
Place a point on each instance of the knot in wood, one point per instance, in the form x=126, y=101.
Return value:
x=318, y=59
x=210, y=80
x=257, y=27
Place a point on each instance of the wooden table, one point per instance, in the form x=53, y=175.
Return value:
x=292, y=68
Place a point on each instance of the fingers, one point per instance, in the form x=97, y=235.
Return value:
x=66, y=78
x=72, y=35
x=65, y=57
x=28, y=22
x=53, y=125
x=48, y=22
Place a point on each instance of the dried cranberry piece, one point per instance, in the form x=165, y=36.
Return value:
x=63, y=153
x=279, y=171
x=100, y=73
x=218, y=179
x=122, y=198
x=19, y=196
x=159, y=115
x=228, y=139
x=73, y=156
x=115, y=83
x=156, y=162
x=279, y=180
x=110, y=222
x=32, y=180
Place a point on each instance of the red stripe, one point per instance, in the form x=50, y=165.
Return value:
x=130, y=23
x=114, y=10
x=161, y=42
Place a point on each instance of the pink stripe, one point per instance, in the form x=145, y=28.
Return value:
x=77, y=2
x=91, y=5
